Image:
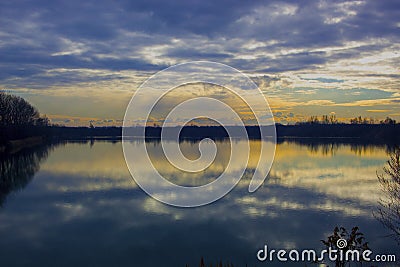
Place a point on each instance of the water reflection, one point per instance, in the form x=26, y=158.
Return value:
x=18, y=168
x=329, y=146
x=83, y=209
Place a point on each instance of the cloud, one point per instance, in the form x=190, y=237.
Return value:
x=303, y=46
x=77, y=34
x=318, y=102
x=371, y=102
x=378, y=110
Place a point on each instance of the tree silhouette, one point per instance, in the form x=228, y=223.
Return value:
x=16, y=111
x=18, y=169
x=333, y=119
x=313, y=120
x=354, y=241
x=388, y=120
x=389, y=211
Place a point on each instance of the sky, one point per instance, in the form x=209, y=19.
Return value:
x=81, y=61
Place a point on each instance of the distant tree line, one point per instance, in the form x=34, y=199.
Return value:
x=331, y=119
x=16, y=111
x=325, y=119
x=20, y=120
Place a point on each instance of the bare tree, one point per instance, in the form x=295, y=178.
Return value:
x=15, y=110
x=313, y=120
x=325, y=119
x=333, y=119
x=389, y=210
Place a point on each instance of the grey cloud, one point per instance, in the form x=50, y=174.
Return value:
x=42, y=35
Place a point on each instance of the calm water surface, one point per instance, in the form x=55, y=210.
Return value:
x=76, y=204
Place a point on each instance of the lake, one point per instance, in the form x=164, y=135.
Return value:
x=75, y=204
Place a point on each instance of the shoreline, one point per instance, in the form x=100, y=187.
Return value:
x=17, y=138
x=14, y=146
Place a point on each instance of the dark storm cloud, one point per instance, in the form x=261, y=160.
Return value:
x=116, y=35
x=206, y=18
x=192, y=54
x=376, y=19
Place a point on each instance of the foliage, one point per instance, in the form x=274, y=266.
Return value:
x=389, y=210
x=355, y=241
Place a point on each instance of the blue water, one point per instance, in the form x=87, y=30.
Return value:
x=75, y=204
